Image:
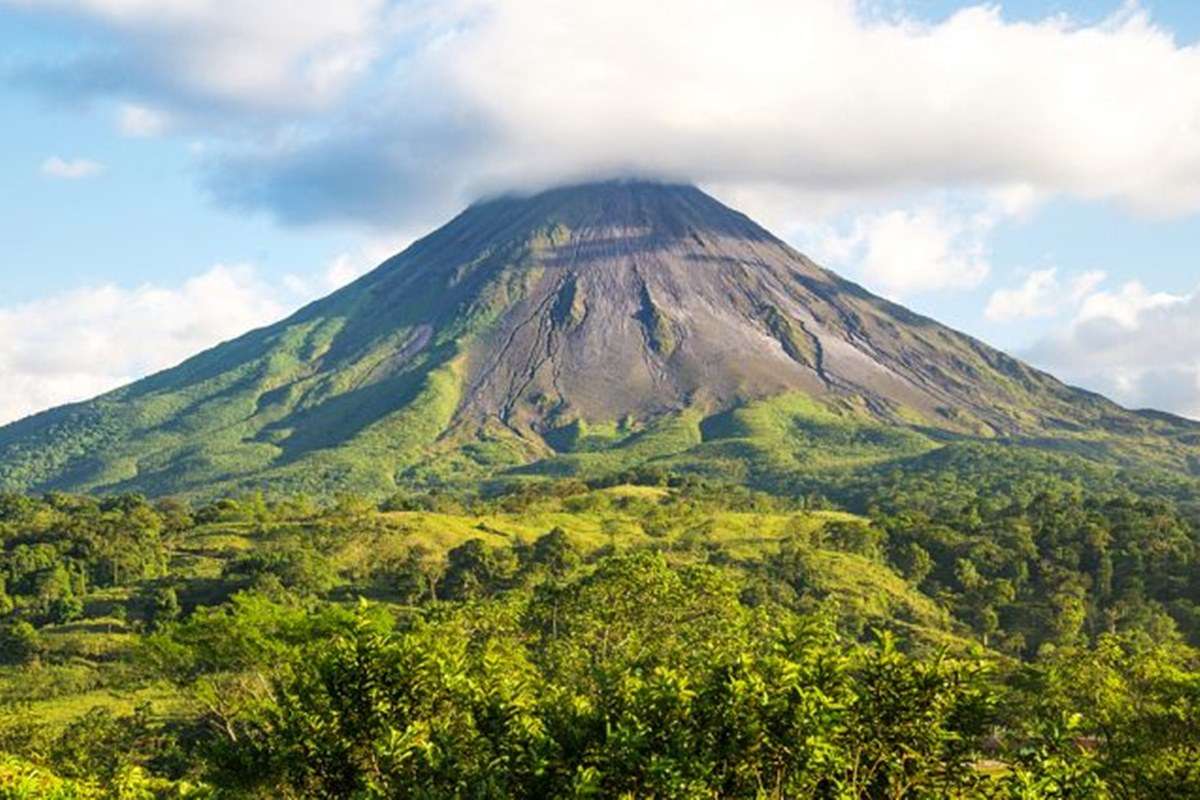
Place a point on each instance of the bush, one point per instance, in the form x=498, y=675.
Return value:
x=20, y=643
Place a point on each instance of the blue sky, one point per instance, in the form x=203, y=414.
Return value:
x=177, y=171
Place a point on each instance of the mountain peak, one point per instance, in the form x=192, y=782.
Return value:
x=600, y=193
x=571, y=326
x=664, y=209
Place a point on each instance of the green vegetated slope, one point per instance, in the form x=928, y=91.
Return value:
x=582, y=331
x=766, y=443
x=95, y=578
x=671, y=638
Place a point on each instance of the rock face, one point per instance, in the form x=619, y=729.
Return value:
x=610, y=305
x=640, y=299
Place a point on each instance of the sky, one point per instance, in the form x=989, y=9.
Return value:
x=176, y=172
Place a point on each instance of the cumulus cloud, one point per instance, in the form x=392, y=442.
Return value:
x=929, y=245
x=71, y=169
x=813, y=95
x=78, y=344
x=1042, y=294
x=427, y=104
x=1140, y=347
x=269, y=55
x=820, y=94
x=75, y=345
x=345, y=268
x=1126, y=305
x=905, y=251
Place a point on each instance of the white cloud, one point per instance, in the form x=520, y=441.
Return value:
x=345, y=268
x=1141, y=348
x=377, y=111
x=142, y=121
x=1034, y=298
x=1042, y=295
x=920, y=250
x=819, y=95
x=1083, y=285
x=75, y=345
x=1125, y=306
x=78, y=344
x=1017, y=200
x=925, y=246
x=268, y=55
x=71, y=169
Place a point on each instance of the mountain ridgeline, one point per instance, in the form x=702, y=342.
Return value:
x=580, y=331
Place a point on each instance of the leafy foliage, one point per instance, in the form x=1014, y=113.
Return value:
x=672, y=638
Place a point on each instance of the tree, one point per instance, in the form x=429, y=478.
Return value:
x=915, y=563
x=295, y=565
x=51, y=585
x=555, y=552
x=855, y=537
x=163, y=607
x=414, y=576
x=176, y=515
x=1068, y=614
x=473, y=570
x=353, y=507
x=20, y=643
x=100, y=745
x=64, y=609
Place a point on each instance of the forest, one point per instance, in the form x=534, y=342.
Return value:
x=963, y=631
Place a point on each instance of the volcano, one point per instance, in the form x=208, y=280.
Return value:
x=580, y=330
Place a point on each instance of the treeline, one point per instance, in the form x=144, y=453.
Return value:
x=58, y=548
x=1058, y=566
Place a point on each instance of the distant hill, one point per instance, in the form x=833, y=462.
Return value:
x=579, y=331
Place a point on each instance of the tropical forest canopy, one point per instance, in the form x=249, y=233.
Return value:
x=974, y=628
